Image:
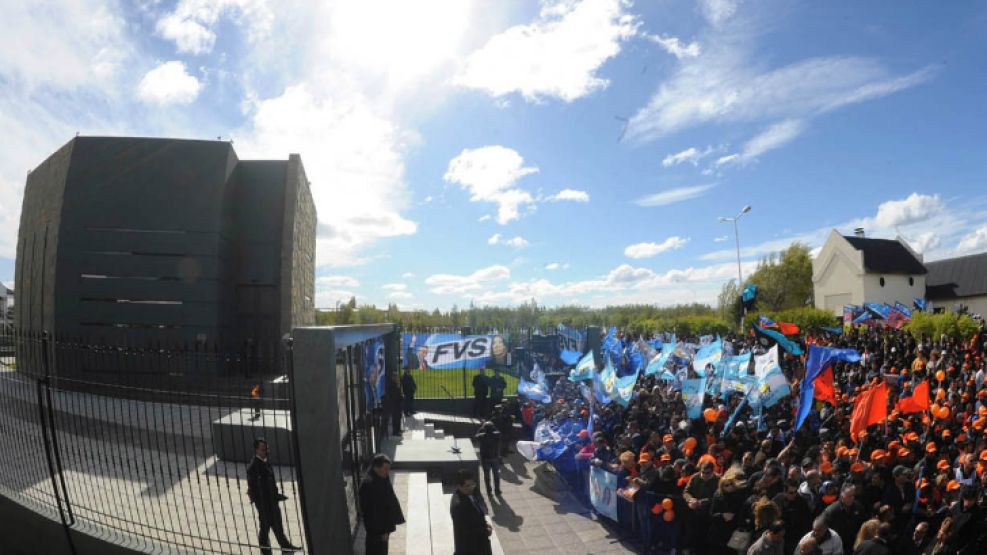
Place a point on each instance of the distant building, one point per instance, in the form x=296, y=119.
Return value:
x=956, y=282
x=857, y=269
x=6, y=308
x=165, y=241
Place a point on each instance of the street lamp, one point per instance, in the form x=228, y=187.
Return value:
x=736, y=235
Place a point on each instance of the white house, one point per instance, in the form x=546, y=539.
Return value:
x=857, y=269
x=960, y=281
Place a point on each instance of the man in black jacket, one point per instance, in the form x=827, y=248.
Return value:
x=379, y=506
x=408, y=387
x=262, y=489
x=470, y=528
x=489, y=439
x=481, y=388
x=845, y=516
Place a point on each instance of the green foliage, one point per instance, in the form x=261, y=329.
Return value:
x=808, y=319
x=784, y=281
x=952, y=325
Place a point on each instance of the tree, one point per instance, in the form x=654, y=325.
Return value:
x=784, y=281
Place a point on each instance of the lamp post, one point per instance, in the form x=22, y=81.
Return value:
x=736, y=235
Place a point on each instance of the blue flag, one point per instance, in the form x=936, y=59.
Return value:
x=879, y=310
x=767, y=338
x=612, y=348
x=736, y=412
x=863, y=317
x=766, y=322
x=837, y=331
x=904, y=310
x=569, y=357
x=750, y=292
x=919, y=303
x=693, y=394
x=584, y=369
x=819, y=358
x=771, y=382
x=600, y=381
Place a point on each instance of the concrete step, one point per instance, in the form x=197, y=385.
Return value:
x=429, y=430
x=418, y=540
x=439, y=434
x=417, y=434
x=440, y=520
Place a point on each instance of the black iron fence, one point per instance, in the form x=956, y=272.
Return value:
x=147, y=446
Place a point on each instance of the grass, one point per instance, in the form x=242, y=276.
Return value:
x=430, y=382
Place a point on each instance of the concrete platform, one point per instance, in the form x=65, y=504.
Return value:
x=233, y=435
x=431, y=455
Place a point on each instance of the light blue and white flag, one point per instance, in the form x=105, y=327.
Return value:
x=693, y=394
x=772, y=384
x=534, y=391
x=657, y=364
x=709, y=355
x=584, y=369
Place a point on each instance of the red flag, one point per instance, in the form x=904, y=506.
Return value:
x=918, y=402
x=871, y=407
x=788, y=329
x=824, y=389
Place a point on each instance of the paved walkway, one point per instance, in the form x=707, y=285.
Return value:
x=538, y=514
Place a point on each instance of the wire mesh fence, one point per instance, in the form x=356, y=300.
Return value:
x=148, y=446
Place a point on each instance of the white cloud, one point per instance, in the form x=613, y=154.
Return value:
x=727, y=84
x=336, y=281
x=446, y=284
x=407, y=275
x=557, y=55
x=516, y=242
x=327, y=298
x=721, y=238
x=647, y=250
x=569, y=194
x=718, y=11
x=670, y=196
x=169, y=83
x=774, y=136
x=691, y=155
x=974, y=242
x=485, y=218
x=925, y=242
x=400, y=295
x=639, y=284
x=63, y=45
x=552, y=266
x=675, y=47
x=489, y=174
x=916, y=208
x=394, y=286
x=191, y=25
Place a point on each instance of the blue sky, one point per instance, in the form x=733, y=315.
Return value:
x=573, y=151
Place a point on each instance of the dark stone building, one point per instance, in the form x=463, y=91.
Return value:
x=167, y=242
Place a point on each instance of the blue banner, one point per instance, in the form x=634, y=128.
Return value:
x=766, y=322
x=879, y=310
x=600, y=381
x=603, y=492
x=819, y=358
x=919, y=303
x=441, y=351
x=904, y=310
x=657, y=363
x=569, y=357
x=373, y=371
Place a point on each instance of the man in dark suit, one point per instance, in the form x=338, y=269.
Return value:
x=379, y=506
x=262, y=489
x=469, y=524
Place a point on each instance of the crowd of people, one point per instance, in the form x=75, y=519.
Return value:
x=914, y=484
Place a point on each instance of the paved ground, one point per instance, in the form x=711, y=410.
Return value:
x=538, y=514
x=171, y=489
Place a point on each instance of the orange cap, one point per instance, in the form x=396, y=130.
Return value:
x=947, y=433
x=852, y=453
x=666, y=458
x=826, y=467
x=668, y=437
x=930, y=447
x=894, y=446
x=841, y=451
x=857, y=467
x=983, y=455
x=877, y=455
x=903, y=452
x=953, y=485
x=943, y=464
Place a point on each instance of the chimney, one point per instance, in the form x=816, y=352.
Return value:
x=858, y=232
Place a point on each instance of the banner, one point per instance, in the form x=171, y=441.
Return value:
x=603, y=492
x=373, y=371
x=584, y=369
x=771, y=382
x=439, y=351
x=571, y=339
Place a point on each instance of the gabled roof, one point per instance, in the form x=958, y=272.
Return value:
x=964, y=276
x=886, y=256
